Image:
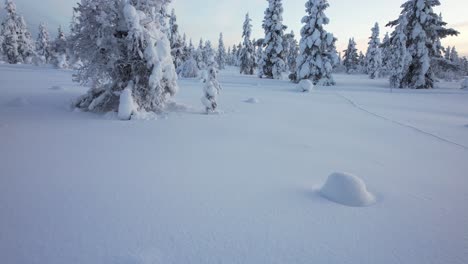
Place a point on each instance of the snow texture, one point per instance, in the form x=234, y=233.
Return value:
x=126, y=105
x=252, y=101
x=464, y=84
x=18, y=102
x=306, y=86
x=347, y=189
x=85, y=188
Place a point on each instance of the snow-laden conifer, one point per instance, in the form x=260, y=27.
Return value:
x=59, y=50
x=189, y=68
x=17, y=44
x=317, y=47
x=43, y=47
x=211, y=86
x=247, y=55
x=398, y=61
x=272, y=63
x=385, y=47
x=374, y=54
x=123, y=45
x=175, y=40
x=424, y=29
x=351, y=57
x=221, y=56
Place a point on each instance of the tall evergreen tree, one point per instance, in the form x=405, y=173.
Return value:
x=317, y=46
x=221, y=57
x=199, y=55
x=43, y=48
x=189, y=68
x=26, y=47
x=351, y=57
x=385, y=47
x=292, y=51
x=234, y=55
x=399, y=57
x=272, y=64
x=247, y=56
x=211, y=87
x=124, y=46
x=17, y=44
x=207, y=53
x=175, y=40
x=374, y=54
x=59, y=50
x=424, y=30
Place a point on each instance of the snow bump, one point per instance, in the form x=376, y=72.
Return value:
x=347, y=189
x=306, y=86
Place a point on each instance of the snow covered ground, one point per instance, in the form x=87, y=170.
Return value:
x=238, y=187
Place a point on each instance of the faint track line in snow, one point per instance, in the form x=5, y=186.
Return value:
x=357, y=106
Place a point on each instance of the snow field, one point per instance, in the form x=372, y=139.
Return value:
x=238, y=187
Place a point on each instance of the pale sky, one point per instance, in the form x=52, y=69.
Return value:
x=207, y=18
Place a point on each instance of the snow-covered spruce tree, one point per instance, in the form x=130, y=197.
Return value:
x=259, y=51
x=233, y=55
x=59, y=50
x=221, y=56
x=351, y=57
x=43, y=47
x=374, y=54
x=362, y=68
x=292, y=51
x=399, y=57
x=175, y=40
x=238, y=52
x=211, y=86
x=17, y=45
x=9, y=33
x=189, y=68
x=229, y=57
x=208, y=52
x=123, y=46
x=317, y=47
x=447, y=53
x=247, y=56
x=423, y=31
x=272, y=63
x=454, y=58
x=199, y=55
x=385, y=47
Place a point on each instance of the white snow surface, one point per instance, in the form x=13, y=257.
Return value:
x=347, y=189
x=238, y=187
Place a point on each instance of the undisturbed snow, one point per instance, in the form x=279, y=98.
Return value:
x=238, y=187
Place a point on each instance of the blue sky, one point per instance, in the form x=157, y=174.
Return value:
x=207, y=18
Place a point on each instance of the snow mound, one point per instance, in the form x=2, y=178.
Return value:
x=18, y=102
x=252, y=101
x=306, y=86
x=347, y=189
x=126, y=105
x=464, y=84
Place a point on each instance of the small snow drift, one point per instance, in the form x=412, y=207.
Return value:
x=126, y=106
x=306, y=86
x=252, y=101
x=18, y=102
x=464, y=84
x=347, y=189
